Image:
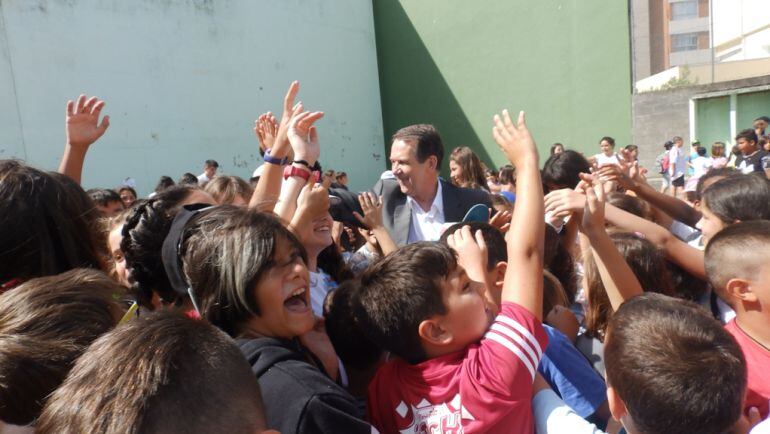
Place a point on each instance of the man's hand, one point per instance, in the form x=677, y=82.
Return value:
x=82, y=121
x=303, y=136
x=471, y=252
x=371, y=205
x=266, y=128
x=514, y=140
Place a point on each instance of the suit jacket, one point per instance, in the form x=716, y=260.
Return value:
x=397, y=214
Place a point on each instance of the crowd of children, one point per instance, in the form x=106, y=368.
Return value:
x=584, y=301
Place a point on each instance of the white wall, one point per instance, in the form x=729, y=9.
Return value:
x=184, y=80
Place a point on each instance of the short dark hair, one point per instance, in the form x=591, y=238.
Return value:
x=212, y=163
x=722, y=172
x=668, y=145
x=399, y=292
x=497, y=250
x=564, y=169
x=45, y=325
x=507, y=175
x=163, y=183
x=741, y=197
x=701, y=151
x=50, y=225
x=193, y=380
x=763, y=118
x=224, y=253
x=129, y=189
x=341, y=175
x=103, y=196
x=748, y=134
x=428, y=141
x=659, y=349
x=609, y=140
x=350, y=342
x=631, y=148
x=188, y=179
x=630, y=204
x=726, y=257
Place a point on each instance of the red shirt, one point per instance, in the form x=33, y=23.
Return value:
x=486, y=388
x=757, y=364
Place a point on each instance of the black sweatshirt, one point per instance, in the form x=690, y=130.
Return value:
x=299, y=398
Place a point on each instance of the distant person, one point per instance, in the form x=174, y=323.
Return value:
x=342, y=180
x=165, y=182
x=107, y=201
x=608, y=154
x=760, y=125
x=209, y=172
x=127, y=195
x=677, y=166
x=752, y=158
x=188, y=179
x=557, y=148
x=718, y=155
x=466, y=169
x=633, y=152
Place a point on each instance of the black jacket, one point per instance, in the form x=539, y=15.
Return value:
x=299, y=398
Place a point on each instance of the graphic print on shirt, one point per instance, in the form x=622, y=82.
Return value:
x=427, y=418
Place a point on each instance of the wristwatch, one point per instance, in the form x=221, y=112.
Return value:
x=299, y=172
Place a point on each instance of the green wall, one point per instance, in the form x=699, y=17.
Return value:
x=455, y=64
x=751, y=106
x=713, y=120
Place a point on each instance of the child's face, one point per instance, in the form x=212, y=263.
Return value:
x=113, y=240
x=455, y=171
x=606, y=147
x=320, y=235
x=111, y=209
x=746, y=147
x=709, y=223
x=283, y=296
x=468, y=313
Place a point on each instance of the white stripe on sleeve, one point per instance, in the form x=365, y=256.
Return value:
x=493, y=336
x=524, y=332
x=510, y=334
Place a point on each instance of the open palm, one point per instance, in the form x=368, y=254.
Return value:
x=82, y=121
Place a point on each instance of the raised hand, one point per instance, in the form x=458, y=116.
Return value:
x=564, y=202
x=371, y=205
x=471, y=252
x=303, y=136
x=501, y=220
x=266, y=129
x=514, y=140
x=593, y=212
x=281, y=144
x=82, y=121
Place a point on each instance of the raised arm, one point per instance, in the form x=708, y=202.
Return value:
x=524, y=276
x=268, y=188
x=303, y=137
x=83, y=128
x=674, y=207
x=619, y=280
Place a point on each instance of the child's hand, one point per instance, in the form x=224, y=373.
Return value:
x=514, y=140
x=371, y=205
x=266, y=129
x=561, y=203
x=304, y=137
x=281, y=145
x=501, y=220
x=471, y=252
x=314, y=199
x=593, y=212
x=82, y=121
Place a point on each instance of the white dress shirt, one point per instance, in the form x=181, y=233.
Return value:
x=426, y=225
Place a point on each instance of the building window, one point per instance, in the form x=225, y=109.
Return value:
x=684, y=10
x=684, y=42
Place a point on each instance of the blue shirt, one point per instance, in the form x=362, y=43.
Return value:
x=570, y=375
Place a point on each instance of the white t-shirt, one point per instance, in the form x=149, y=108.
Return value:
x=202, y=178
x=700, y=166
x=602, y=159
x=320, y=285
x=678, y=162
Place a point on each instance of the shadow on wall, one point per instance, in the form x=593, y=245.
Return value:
x=412, y=88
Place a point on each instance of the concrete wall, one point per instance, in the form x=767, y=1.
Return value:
x=185, y=79
x=566, y=63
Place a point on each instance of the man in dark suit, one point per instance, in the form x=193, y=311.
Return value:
x=416, y=202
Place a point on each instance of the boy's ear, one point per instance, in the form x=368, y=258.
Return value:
x=617, y=406
x=433, y=333
x=499, y=273
x=740, y=289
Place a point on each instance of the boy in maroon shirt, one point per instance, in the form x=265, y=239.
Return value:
x=425, y=304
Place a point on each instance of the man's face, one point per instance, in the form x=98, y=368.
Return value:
x=679, y=143
x=759, y=124
x=210, y=171
x=747, y=147
x=411, y=175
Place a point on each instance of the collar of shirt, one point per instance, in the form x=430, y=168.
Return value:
x=436, y=208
